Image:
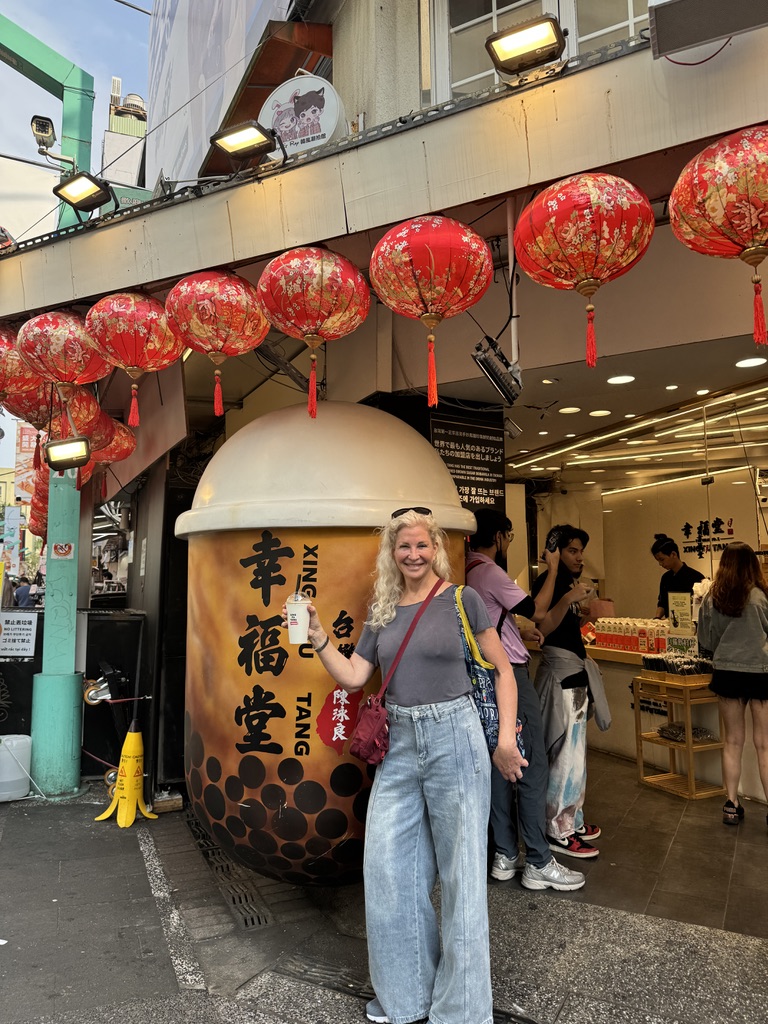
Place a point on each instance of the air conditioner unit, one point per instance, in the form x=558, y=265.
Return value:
x=681, y=24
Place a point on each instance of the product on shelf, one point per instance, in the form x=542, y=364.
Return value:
x=629, y=634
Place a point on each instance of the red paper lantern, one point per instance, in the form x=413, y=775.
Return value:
x=38, y=407
x=316, y=295
x=217, y=313
x=582, y=232
x=719, y=206
x=122, y=445
x=429, y=269
x=131, y=331
x=57, y=347
x=87, y=417
x=16, y=376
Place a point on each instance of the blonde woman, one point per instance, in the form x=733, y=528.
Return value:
x=428, y=811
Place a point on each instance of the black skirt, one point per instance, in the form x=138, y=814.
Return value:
x=739, y=685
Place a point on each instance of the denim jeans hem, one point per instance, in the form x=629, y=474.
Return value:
x=411, y=1019
x=437, y=1020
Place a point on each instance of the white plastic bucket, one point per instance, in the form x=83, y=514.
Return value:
x=15, y=755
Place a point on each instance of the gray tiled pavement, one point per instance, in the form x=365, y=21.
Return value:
x=102, y=925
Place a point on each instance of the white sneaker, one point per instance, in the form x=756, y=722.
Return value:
x=504, y=867
x=552, y=876
x=374, y=1011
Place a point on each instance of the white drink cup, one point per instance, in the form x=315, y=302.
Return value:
x=297, y=613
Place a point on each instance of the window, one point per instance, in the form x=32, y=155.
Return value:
x=601, y=22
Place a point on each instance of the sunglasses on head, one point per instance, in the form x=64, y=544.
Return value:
x=412, y=508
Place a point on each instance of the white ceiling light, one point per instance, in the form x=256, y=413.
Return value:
x=671, y=387
x=600, y=412
x=738, y=483
x=607, y=510
x=703, y=391
x=552, y=469
x=549, y=380
x=543, y=433
x=569, y=410
x=598, y=470
x=629, y=415
x=537, y=469
x=622, y=379
x=744, y=364
x=676, y=480
x=587, y=482
x=570, y=435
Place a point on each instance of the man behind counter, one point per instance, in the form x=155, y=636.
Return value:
x=679, y=577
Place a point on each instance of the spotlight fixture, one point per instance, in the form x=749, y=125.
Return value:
x=504, y=376
x=84, y=192
x=511, y=428
x=246, y=141
x=68, y=453
x=526, y=46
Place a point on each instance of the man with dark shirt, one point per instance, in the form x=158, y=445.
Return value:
x=679, y=578
x=24, y=596
x=526, y=801
x=563, y=682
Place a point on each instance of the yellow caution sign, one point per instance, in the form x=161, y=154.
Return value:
x=129, y=789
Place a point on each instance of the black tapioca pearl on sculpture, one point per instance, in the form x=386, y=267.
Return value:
x=234, y=789
x=360, y=804
x=320, y=868
x=196, y=749
x=290, y=771
x=263, y=842
x=316, y=846
x=214, y=802
x=293, y=851
x=289, y=824
x=331, y=823
x=253, y=813
x=346, y=780
x=279, y=864
x=348, y=851
x=310, y=797
x=236, y=826
x=249, y=856
x=273, y=796
x=252, y=771
x=195, y=783
x=223, y=836
x=213, y=769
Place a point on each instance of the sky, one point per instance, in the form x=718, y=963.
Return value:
x=104, y=37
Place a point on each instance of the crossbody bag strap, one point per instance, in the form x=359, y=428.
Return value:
x=469, y=635
x=503, y=615
x=407, y=636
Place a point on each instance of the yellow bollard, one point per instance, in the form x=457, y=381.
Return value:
x=129, y=789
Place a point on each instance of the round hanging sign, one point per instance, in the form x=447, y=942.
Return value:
x=306, y=112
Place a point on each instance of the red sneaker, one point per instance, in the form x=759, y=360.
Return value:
x=589, y=831
x=572, y=846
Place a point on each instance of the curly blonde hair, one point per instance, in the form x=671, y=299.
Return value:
x=388, y=587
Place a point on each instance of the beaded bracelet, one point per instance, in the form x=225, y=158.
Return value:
x=323, y=645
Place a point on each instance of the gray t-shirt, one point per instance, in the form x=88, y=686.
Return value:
x=432, y=668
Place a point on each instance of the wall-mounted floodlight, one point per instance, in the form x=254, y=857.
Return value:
x=504, y=376
x=84, y=192
x=68, y=453
x=43, y=130
x=526, y=46
x=245, y=141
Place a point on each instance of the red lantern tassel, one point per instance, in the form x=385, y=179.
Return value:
x=36, y=459
x=431, y=372
x=312, y=397
x=218, y=398
x=591, y=343
x=78, y=480
x=133, y=415
x=759, y=329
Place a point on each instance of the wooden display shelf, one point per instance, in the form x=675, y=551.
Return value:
x=679, y=785
x=679, y=695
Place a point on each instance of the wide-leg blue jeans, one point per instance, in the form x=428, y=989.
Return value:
x=428, y=815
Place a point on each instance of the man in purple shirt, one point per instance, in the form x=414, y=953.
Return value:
x=486, y=574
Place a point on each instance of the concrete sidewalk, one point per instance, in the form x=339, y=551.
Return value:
x=154, y=924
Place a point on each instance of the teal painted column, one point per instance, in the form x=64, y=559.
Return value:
x=57, y=691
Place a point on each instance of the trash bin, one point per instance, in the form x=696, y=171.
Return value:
x=15, y=757
x=290, y=501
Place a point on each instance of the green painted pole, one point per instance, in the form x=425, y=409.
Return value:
x=57, y=691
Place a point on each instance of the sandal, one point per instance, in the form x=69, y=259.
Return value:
x=732, y=813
